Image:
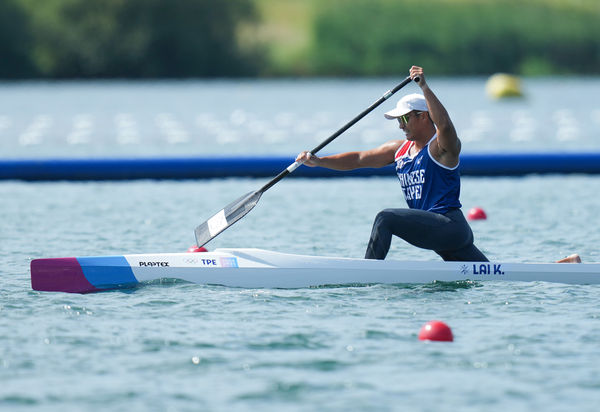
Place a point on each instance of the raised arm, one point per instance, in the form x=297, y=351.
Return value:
x=448, y=144
x=377, y=157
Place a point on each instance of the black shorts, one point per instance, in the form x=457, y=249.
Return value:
x=449, y=235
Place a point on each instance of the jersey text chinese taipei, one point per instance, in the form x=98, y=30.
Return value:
x=426, y=183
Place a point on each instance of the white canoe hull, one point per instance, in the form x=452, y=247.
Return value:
x=256, y=268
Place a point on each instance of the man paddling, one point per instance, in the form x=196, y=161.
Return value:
x=427, y=167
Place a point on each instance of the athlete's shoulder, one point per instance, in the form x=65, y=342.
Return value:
x=393, y=144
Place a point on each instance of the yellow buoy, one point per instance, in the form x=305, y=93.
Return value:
x=502, y=85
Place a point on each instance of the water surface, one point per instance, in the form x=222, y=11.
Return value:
x=178, y=346
x=172, y=345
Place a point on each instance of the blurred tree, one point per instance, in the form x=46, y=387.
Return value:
x=140, y=38
x=15, y=42
x=202, y=38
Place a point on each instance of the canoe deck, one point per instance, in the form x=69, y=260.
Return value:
x=257, y=268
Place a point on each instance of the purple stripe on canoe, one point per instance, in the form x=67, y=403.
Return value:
x=59, y=275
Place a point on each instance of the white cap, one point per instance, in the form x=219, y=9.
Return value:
x=407, y=104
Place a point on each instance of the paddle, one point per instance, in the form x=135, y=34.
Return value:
x=240, y=207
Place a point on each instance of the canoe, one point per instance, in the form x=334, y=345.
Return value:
x=257, y=268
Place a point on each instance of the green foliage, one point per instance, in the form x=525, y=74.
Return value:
x=139, y=38
x=202, y=38
x=15, y=42
x=384, y=37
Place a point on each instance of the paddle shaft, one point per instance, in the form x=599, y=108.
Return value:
x=331, y=138
x=240, y=207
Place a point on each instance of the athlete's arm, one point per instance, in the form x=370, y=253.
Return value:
x=448, y=145
x=377, y=157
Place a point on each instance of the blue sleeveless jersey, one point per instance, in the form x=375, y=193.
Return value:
x=427, y=184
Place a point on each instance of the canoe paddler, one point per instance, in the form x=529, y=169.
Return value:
x=427, y=167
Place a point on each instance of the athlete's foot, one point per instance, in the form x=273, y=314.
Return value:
x=574, y=258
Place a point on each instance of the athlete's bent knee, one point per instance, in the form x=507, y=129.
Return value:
x=385, y=217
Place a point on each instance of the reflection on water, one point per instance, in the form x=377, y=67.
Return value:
x=278, y=116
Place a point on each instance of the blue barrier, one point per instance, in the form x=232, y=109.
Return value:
x=219, y=167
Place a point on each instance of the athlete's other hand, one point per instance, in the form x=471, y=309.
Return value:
x=308, y=159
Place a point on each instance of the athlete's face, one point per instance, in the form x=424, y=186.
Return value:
x=408, y=121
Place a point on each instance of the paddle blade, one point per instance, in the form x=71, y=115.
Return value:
x=226, y=217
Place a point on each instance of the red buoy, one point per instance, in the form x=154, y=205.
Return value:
x=194, y=249
x=436, y=330
x=476, y=213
